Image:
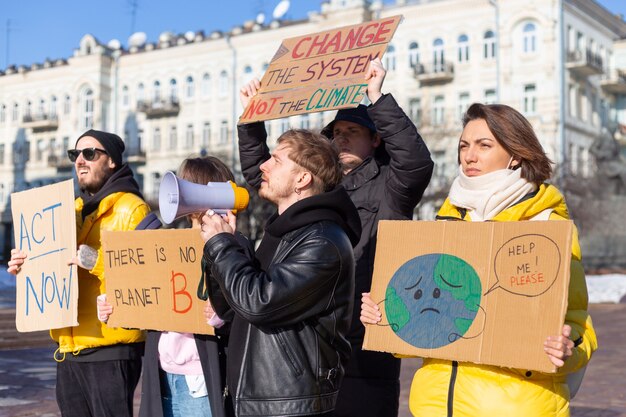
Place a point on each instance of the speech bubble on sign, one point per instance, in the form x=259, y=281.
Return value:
x=527, y=265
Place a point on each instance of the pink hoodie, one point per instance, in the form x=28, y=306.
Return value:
x=178, y=354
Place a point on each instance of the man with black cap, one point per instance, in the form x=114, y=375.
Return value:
x=98, y=367
x=387, y=167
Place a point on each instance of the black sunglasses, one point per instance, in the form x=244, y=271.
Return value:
x=88, y=153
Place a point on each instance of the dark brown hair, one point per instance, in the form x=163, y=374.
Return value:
x=515, y=133
x=205, y=169
x=315, y=153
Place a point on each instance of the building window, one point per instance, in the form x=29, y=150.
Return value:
x=3, y=113
x=141, y=93
x=490, y=96
x=173, y=138
x=53, y=147
x=489, y=45
x=530, y=99
x=156, y=139
x=156, y=92
x=206, y=85
x=529, y=38
x=247, y=74
x=190, y=89
x=284, y=125
x=2, y=154
x=206, y=135
x=173, y=90
x=53, y=107
x=463, y=48
x=16, y=112
x=304, y=121
x=415, y=111
x=125, y=97
x=390, y=58
x=41, y=109
x=414, y=54
x=2, y=191
x=39, y=151
x=223, y=84
x=86, y=107
x=438, y=111
x=438, y=55
x=224, y=132
x=189, y=137
x=28, y=109
x=464, y=99
x=66, y=145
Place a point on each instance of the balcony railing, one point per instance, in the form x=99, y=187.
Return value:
x=435, y=73
x=614, y=82
x=40, y=122
x=584, y=63
x=159, y=108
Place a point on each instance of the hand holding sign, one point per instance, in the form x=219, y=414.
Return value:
x=375, y=76
x=17, y=260
x=559, y=348
x=248, y=91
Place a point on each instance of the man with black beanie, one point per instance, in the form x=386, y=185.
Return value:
x=293, y=303
x=98, y=367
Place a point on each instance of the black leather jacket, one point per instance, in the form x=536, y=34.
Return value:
x=290, y=323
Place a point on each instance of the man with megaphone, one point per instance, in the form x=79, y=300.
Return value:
x=293, y=303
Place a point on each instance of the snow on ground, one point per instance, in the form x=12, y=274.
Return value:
x=610, y=288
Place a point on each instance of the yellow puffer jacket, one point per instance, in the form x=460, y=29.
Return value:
x=481, y=390
x=118, y=211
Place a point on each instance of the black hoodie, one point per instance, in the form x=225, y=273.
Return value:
x=334, y=206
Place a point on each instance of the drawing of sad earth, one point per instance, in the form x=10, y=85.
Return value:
x=432, y=300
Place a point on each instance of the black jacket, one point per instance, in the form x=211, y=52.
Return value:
x=288, y=344
x=386, y=187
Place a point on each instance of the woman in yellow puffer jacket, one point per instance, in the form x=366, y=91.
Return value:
x=502, y=172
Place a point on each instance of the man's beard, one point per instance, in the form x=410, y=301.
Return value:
x=98, y=182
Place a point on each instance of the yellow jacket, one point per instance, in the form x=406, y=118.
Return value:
x=486, y=391
x=118, y=211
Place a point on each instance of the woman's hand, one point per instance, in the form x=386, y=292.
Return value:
x=104, y=308
x=211, y=316
x=16, y=262
x=370, y=313
x=559, y=348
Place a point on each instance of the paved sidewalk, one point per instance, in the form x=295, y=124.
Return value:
x=27, y=376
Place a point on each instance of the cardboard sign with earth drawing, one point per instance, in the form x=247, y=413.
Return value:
x=488, y=292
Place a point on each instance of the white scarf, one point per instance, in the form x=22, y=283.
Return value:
x=485, y=196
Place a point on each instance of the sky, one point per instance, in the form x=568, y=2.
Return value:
x=40, y=29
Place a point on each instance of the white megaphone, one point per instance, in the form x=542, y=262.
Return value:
x=178, y=197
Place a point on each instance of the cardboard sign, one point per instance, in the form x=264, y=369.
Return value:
x=45, y=228
x=488, y=292
x=319, y=72
x=152, y=280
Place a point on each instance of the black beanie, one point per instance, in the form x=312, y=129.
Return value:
x=113, y=144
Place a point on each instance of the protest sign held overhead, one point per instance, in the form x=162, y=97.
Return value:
x=46, y=286
x=321, y=71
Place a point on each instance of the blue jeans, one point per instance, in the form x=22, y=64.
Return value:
x=176, y=400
